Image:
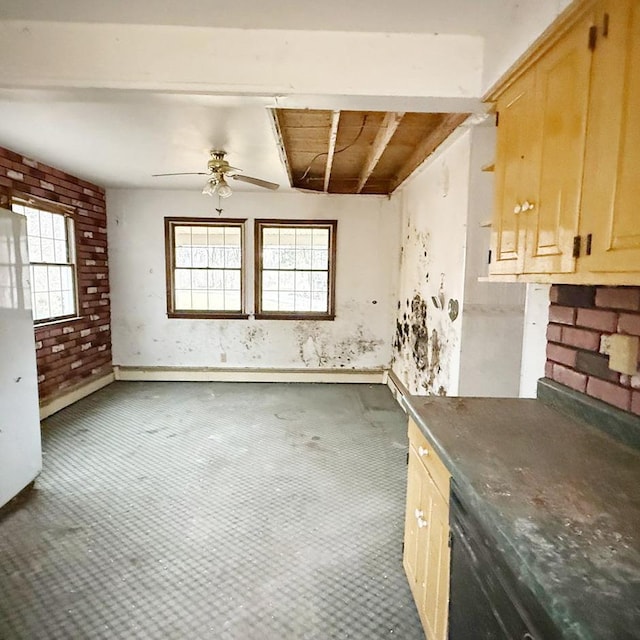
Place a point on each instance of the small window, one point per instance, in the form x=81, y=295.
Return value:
x=51, y=245
x=204, y=268
x=295, y=269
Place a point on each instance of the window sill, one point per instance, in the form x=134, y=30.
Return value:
x=54, y=321
x=294, y=316
x=184, y=315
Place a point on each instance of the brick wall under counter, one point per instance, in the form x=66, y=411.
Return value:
x=578, y=318
x=71, y=352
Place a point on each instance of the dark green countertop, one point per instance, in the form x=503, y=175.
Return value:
x=561, y=499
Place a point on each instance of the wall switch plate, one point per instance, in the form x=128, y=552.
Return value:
x=622, y=351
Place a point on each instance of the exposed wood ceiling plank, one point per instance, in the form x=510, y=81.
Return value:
x=333, y=135
x=282, y=145
x=382, y=139
x=427, y=146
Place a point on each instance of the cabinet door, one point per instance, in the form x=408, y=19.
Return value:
x=553, y=203
x=436, y=593
x=415, y=529
x=515, y=148
x=611, y=211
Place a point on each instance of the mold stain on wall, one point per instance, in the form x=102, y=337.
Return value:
x=318, y=349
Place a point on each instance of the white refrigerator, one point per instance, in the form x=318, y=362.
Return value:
x=20, y=451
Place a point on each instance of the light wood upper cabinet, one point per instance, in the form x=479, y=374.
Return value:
x=568, y=153
x=426, y=557
x=610, y=219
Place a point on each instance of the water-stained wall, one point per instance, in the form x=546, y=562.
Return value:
x=366, y=277
x=426, y=347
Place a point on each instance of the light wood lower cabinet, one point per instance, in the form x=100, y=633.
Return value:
x=426, y=556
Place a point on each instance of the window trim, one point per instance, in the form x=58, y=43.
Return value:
x=330, y=314
x=42, y=204
x=169, y=225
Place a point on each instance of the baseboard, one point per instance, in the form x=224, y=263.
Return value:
x=74, y=395
x=398, y=390
x=205, y=374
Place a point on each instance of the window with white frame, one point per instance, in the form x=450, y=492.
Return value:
x=295, y=269
x=204, y=268
x=51, y=246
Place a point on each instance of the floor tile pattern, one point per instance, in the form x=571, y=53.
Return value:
x=213, y=511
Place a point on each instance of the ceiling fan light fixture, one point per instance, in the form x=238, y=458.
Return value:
x=224, y=190
x=209, y=188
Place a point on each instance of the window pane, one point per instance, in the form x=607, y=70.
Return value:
x=232, y=301
x=34, y=249
x=183, y=300
x=183, y=257
x=199, y=257
x=182, y=236
x=59, y=228
x=320, y=259
x=199, y=300
x=319, y=281
x=40, y=280
x=321, y=238
x=199, y=236
x=270, y=280
x=41, y=306
x=33, y=220
x=216, y=279
x=304, y=238
x=303, y=258
x=287, y=301
x=270, y=301
x=232, y=280
x=232, y=236
x=286, y=281
x=183, y=279
x=287, y=257
x=48, y=251
x=216, y=300
x=302, y=301
x=303, y=281
x=46, y=224
x=216, y=236
x=216, y=256
x=68, y=303
x=55, y=302
x=60, y=250
x=232, y=257
x=67, y=278
x=319, y=301
x=55, y=279
x=270, y=237
x=199, y=279
x=270, y=258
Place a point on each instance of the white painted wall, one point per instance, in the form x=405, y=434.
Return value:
x=434, y=211
x=492, y=315
x=534, y=342
x=519, y=25
x=367, y=271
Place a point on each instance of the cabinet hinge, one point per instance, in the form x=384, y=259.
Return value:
x=605, y=25
x=497, y=118
x=489, y=257
x=587, y=249
x=576, y=246
x=407, y=457
x=593, y=36
x=403, y=548
x=450, y=539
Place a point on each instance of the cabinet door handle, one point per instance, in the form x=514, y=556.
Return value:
x=517, y=209
x=423, y=452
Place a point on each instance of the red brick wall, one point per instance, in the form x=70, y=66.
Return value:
x=578, y=318
x=71, y=352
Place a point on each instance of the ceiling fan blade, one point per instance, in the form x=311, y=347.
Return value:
x=259, y=183
x=188, y=173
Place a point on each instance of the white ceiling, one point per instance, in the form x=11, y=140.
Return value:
x=473, y=17
x=119, y=138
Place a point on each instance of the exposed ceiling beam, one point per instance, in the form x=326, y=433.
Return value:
x=385, y=133
x=282, y=148
x=333, y=135
x=427, y=146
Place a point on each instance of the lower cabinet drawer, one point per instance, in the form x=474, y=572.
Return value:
x=429, y=458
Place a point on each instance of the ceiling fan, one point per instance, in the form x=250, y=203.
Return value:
x=218, y=170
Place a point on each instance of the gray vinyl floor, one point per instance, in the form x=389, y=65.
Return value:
x=213, y=510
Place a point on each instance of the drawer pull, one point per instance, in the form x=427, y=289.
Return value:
x=423, y=452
